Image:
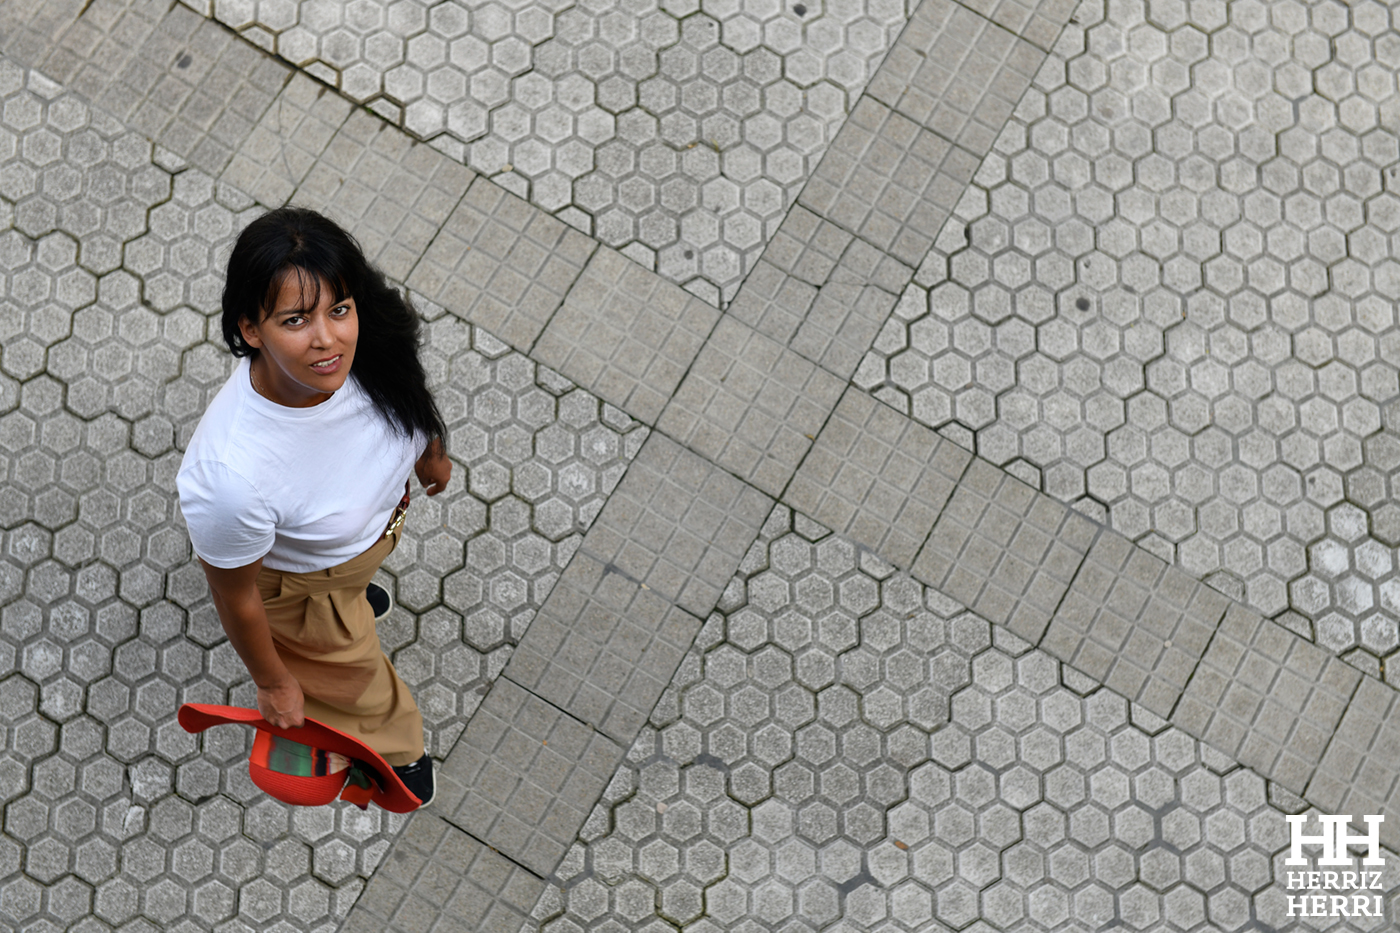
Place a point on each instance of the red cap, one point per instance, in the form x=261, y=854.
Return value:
x=310, y=766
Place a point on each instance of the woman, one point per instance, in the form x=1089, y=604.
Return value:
x=293, y=485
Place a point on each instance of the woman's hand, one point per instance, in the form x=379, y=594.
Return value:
x=240, y=608
x=434, y=468
x=282, y=704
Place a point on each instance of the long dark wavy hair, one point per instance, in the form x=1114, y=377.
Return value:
x=297, y=241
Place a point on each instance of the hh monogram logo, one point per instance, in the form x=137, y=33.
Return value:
x=1334, y=840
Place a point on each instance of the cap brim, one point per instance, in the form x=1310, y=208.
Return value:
x=392, y=794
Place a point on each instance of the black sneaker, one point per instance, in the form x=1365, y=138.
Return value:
x=380, y=601
x=418, y=778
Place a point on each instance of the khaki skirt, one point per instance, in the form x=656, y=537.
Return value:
x=323, y=628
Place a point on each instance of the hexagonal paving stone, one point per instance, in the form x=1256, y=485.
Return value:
x=536, y=458
x=795, y=774
x=675, y=134
x=1166, y=299
x=105, y=621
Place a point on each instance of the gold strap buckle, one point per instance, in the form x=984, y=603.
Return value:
x=396, y=520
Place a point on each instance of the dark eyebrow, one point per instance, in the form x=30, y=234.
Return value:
x=302, y=309
x=308, y=281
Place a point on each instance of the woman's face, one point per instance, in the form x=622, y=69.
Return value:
x=305, y=350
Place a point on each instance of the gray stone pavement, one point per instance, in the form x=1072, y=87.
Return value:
x=1168, y=298
x=678, y=133
x=919, y=469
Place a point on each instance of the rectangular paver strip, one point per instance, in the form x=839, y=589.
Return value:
x=1005, y=550
x=392, y=192
x=1135, y=623
x=28, y=28
x=183, y=80
x=821, y=291
x=807, y=248
x=437, y=879
x=878, y=477
x=751, y=405
x=626, y=334
x=524, y=776
x=778, y=293
x=1360, y=771
x=1270, y=700
x=956, y=73
x=1039, y=22
x=889, y=180
x=502, y=264
x=678, y=524
x=287, y=141
x=603, y=647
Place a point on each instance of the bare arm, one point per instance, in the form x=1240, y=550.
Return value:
x=241, y=611
x=434, y=468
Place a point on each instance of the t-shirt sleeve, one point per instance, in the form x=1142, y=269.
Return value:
x=230, y=524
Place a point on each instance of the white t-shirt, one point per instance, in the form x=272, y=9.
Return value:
x=302, y=488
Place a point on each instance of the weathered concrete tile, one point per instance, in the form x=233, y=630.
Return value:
x=1135, y=623
x=1273, y=701
x=751, y=405
x=821, y=292
x=1037, y=21
x=524, y=776
x=954, y=72
x=603, y=647
x=626, y=334
x=1004, y=550
x=287, y=140
x=29, y=28
x=1360, y=771
x=392, y=192
x=185, y=81
x=502, y=264
x=889, y=180
x=678, y=524
x=878, y=477
x=435, y=877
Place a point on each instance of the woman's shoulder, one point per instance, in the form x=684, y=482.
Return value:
x=219, y=426
x=219, y=485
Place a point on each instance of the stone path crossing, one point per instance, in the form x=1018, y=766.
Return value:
x=991, y=532
x=676, y=134
x=1165, y=300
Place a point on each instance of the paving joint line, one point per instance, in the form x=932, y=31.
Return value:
x=600, y=245
x=781, y=496
x=1059, y=604
x=952, y=144
x=467, y=832
x=1360, y=682
x=437, y=233
x=943, y=508
x=505, y=672
x=1215, y=632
